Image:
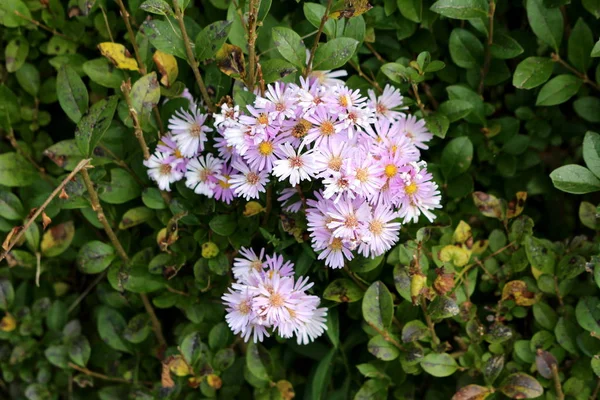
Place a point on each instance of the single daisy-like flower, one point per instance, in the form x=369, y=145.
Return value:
x=248, y=183
x=163, y=170
x=189, y=130
x=202, y=174
x=296, y=166
x=385, y=104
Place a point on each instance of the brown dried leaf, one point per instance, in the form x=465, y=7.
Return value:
x=518, y=291
x=516, y=206
x=46, y=220
x=230, y=60
x=489, y=205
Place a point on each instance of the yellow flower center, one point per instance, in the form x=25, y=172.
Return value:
x=257, y=265
x=301, y=128
x=165, y=169
x=343, y=101
x=276, y=300
x=178, y=154
x=351, y=222
x=244, y=307
x=376, y=227
x=410, y=189
x=252, y=178
x=390, y=170
x=336, y=244
x=335, y=163
x=263, y=119
x=195, y=130
x=225, y=183
x=265, y=148
x=327, y=128
x=362, y=175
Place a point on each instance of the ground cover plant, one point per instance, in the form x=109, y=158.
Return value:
x=271, y=199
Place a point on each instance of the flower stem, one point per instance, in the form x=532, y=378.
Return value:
x=317, y=38
x=82, y=164
x=582, y=75
x=191, y=58
x=139, y=134
x=428, y=320
x=252, y=22
x=557, y=386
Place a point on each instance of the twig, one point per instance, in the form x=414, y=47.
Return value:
x=375, y=53
x=365, y=77
x=87, y=290
x=557, y=289
x=82, y=164
x=173, y=290
x=10, y=134
x=38, y=267
x=594, y=395
x=432, y=100
x=468, y=267
x=557, y=386
x=97, y=207
x=582, y=75
x=101, y=376
x=415, y=89
x=355, y=278
x=107, y=24
x=125, y=14
x=139, y=134
x=191, y=58
x=429, y=322
x=122, y=164
x=317, y=38
x=252, y=22
x=488, y=47
x=39, y=24
x=386, y=336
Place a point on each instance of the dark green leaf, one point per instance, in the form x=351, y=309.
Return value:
x=102, y=72
x=211, y=38
x=382, y=349
x=334, y=54
x=588, y=313
x=290, y=46
x=15, y=53
x=121, y=189
x=95, y=256
x=94, y=124
x=465, y=49
x=575, y=179
x=276, y=69
x=439, y=364
x=16, y=171
x=79, y=350
x=581, y=42
x=532, y=72
x=546, y=23
x=461, y=9
x=343, y=290
x=456, y=157
x=72, y=93
x=111, y=326
x=378, y=306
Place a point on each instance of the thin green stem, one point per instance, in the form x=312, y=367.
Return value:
x=313, y=50
x=557, y=386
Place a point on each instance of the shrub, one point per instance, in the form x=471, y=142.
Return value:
x=434, y=260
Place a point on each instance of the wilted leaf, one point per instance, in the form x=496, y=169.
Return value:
x=118, y=55
x=167, y=66
x=521, y=386
x=472, y=392
x=517, y=290
x=489, y=205
x=230, y=60
x=57, y=239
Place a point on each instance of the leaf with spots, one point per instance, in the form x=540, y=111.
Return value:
x=378, y=306
x=94, y=124
x=521, y=386
x=57, y=239
x=334, y=54
x=211, y=38
x=145, y=94
x=72, y=93
x=111, y=326
x=118, y=55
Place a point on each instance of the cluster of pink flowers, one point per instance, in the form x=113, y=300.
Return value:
x=266, y=297
x=362, y=155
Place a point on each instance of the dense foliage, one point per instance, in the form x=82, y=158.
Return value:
x=111, y=288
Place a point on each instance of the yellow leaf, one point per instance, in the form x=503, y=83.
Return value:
x=480, y=246
x=253, y=208
x=349, y=8
x=214, y=381
x=489, y=205
x=8, y=323
x=417, y=284
x=167, y=66
x=518, y=291
x=516, y=206
x=457, y=255
x=57, y=239
x=230, y=60
x=179, y=367
x=462, y=233
x=118, y=55
x=286, y=390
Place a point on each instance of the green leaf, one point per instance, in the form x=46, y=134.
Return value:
x=276, y=69
x=65, y=154
x=57, y=239
x=505, y=47
x=145, y=94
x=314, y=13
x=192, y=347
x=94, y=124
x=7, y=294
x=591, y=152
x=121, y=189
x=15, y=53
x=411, y=9
x=461, y=9
x=28, y=77
x=111, y=326
x=575, y=179
x=439, y=364
x=104, y=73
x=162, y=35
x=322, y=376
x=545, y=315
x=438, y=124
x=588, y=215
x=558, y=90
x=219, y=336
x=10, y=113
x=588, y=108
x=79, y=350
x=378, y=306
x=465, y=49
x=373, y=389
x=58, y=355
x=223, y=225
x=95, y=256
x=596, y=49
x=258, y=361
x=16, y=171
x=540, y=255
x=443, y=307
x=290, y=46
x=153, y=199
x=521, y=386
x=10, y=19
x=456, y=157
x=135, y=216
x=566, y=333
x=37, y=391
x=546, y=23
x=382, y=349
x=588, y=313
x=581, y=43
x=593, y=6
x=72, y=93
x=158, y=7
x=532, y=72
x=211, y=38
x=11, y=207
x=455, y=110
x=343, y=290
x=334, y=54
x=461, y=92
x=138, y=329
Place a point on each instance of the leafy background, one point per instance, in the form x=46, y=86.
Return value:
x=112, y=289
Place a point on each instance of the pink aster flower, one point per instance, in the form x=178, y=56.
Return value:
x=325, y=127
x=248, y=262
x=417, y=195
x=222, y=189
x=348, y=217
x=415, y=130
x=295, y=165
x=380, y=232
x=385, y=104
x=189, y=130
x=248, y=183
x=203, y=173
x=264, y=154
x=163, y=170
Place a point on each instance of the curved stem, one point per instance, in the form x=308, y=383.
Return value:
x=317, y=38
